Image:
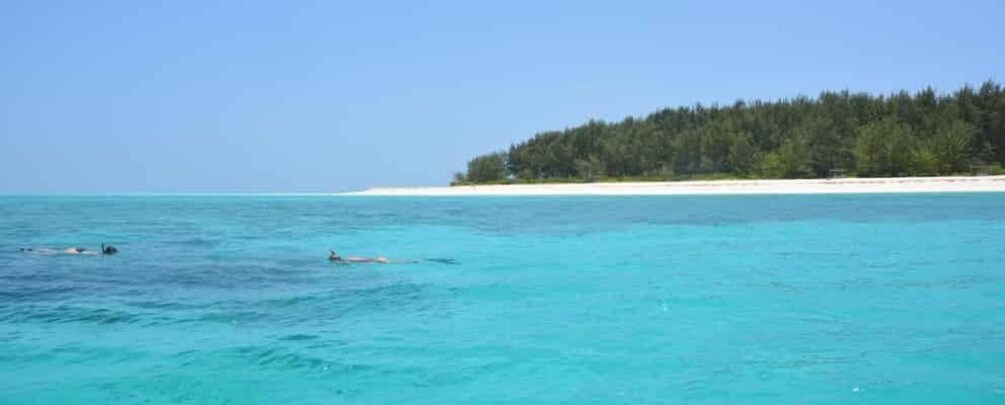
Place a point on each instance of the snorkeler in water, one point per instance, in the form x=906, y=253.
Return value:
x=72, y=250
x=334, y=257
x=378, y=259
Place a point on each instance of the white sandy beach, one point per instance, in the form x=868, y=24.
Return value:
x=715, y=187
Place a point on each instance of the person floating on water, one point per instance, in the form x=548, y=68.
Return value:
x=72, y=250
x=335, y=258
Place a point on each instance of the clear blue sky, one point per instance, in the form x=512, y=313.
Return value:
x=200, y=96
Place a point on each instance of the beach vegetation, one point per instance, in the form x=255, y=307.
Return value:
x=487, y=169
x=902, y=134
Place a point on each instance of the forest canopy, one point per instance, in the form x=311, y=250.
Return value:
x=921, y=134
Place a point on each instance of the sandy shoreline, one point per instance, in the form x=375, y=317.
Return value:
x=715, y=187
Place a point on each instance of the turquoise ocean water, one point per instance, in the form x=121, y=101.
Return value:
x=766, y=299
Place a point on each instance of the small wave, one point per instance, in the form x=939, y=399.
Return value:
x=40, y=293
x=164, y=305
x=277, y=357
x=232, y=316
x=65, y=314
x=382, y=294
x=196, y=242
x=443, y=261
x=299, y=337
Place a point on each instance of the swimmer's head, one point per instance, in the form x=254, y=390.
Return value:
x=108, y=250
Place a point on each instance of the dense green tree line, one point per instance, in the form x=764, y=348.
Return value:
x=902, y=134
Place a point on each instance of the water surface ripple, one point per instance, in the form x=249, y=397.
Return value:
x=753, y=299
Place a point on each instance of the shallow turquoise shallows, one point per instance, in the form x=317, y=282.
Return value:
x=766, y=299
